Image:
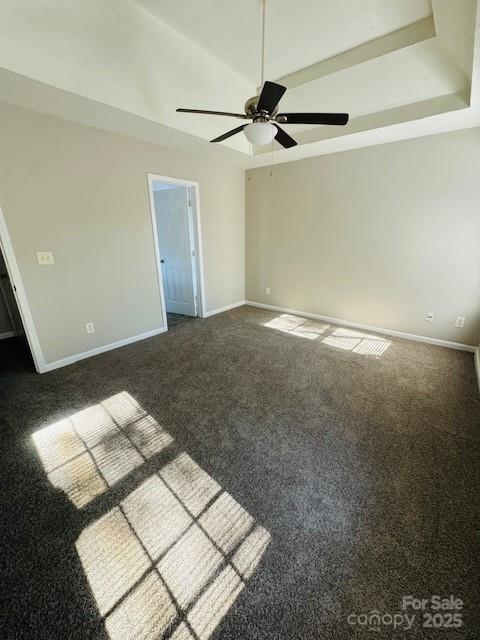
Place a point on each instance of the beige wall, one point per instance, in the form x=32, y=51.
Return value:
x=377, y=236
x=82, y=193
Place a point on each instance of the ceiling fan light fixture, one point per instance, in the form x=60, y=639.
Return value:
x=260, y=133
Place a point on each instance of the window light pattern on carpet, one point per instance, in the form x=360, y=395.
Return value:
x=170, y=559
x=357, y=342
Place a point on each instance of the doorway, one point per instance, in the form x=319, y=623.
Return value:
x=14, y=348
x=10, y=319
x=9, y=263
x=176, y=229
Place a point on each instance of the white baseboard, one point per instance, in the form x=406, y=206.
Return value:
x=50, y=366
x=7, y=334
x=366, y=327
x=477, y=365
x=222, y=309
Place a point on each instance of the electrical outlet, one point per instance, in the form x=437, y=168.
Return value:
x=429, y=316
x=45, y=257
x=267, y=291
x=90, y=327
x=460, y=322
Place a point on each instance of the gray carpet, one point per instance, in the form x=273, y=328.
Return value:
x=324, y=474
x=177, y=318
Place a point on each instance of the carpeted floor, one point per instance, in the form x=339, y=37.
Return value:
x=248, y=476
x=176, y=318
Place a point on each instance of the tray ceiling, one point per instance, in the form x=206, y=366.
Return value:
x=401, y=68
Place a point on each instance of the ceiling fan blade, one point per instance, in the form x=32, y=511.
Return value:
x=229, y=133
x=312, y=118
x=215, y=113
x=270, y=96
x=284, y=139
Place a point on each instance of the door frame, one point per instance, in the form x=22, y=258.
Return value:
x=195, y=229
x=20, y=295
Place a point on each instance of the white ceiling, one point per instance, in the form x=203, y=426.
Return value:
x=400, y=68
x=407, y=76
x=428, y=62
x=298, y=33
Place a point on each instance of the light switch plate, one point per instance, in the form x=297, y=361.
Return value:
x=45, y=257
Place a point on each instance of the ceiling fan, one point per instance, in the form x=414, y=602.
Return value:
x=263, y=111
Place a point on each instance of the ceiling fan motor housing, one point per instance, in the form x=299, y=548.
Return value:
x=251, y=109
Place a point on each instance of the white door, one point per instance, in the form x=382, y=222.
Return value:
x=176, y=251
